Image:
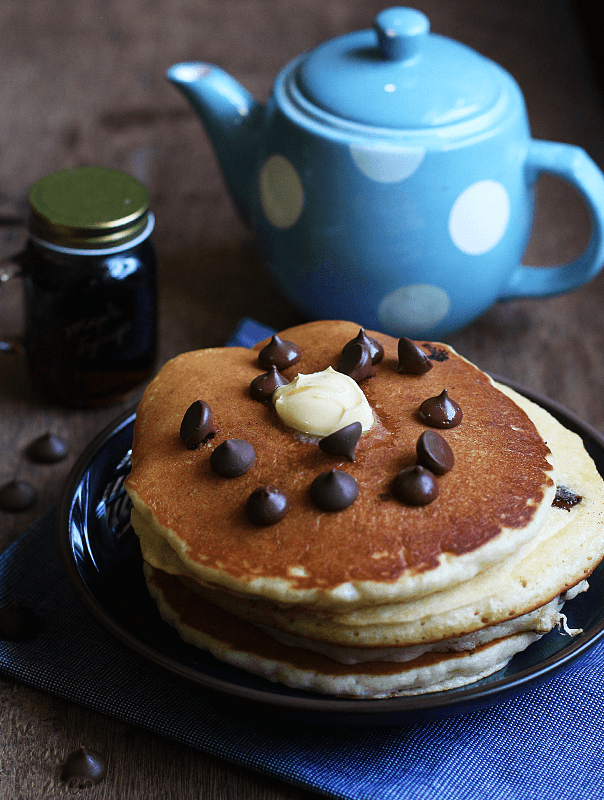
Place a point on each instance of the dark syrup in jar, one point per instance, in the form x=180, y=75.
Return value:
x=90, y=279
x=91, y=333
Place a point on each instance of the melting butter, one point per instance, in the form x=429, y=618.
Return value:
x=322, y=402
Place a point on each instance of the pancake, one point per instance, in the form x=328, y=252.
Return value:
x=560, y=555
x=382, y=597
x=564, y=552
x=244, y=645
x=376, y=551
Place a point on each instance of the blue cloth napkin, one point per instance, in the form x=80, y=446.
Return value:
x=547, y=744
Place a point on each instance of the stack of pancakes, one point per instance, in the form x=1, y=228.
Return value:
x=381, y=598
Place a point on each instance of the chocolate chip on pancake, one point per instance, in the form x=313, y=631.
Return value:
x=232, y=458
x=17, y=496
x=262, y=387
x=440, y=411
x=266, y=505
x=356, y=362
x=415, y=486
x=565, y=498
x=436, y=353
x=47, y=449
x=375, y=348
x=342, y=442
x=334, y=490
x=197, y=426
x=279, y=353
x=411, y=359
x=434, y=453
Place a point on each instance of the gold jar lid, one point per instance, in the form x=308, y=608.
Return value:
x=88, y=208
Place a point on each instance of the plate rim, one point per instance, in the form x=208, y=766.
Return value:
x=437, y=704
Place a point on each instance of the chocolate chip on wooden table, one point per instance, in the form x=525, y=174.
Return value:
x=83, y=767
x=47, y=449
x=17, y=496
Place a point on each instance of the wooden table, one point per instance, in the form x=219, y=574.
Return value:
x=83, y=82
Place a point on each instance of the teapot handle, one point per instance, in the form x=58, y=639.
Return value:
x=573, y=165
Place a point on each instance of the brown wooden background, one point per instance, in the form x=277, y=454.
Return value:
x=82, y=82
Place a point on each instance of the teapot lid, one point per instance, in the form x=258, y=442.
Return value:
x=399, y=75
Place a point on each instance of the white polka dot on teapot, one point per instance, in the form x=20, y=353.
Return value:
x=387, y=164
x=479, y=217
x=281, y=191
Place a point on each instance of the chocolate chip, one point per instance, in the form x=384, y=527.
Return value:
x=266, y=505
x=411, y=359
x=436, y=353
x=355, y=362
x=197, y=426
x=375, y=348
x=82, y=767
x=565, y=498
x=47, y=449
x=232, y=458
x=262, y=387
x=440, y=412
x=18, y=623
x=434, y=453
x=334, y=490
x=415, y=486
x=278, y=353
x=17, y=496
x=342, y=442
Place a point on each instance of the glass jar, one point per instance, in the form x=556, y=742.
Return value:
x=90, y=281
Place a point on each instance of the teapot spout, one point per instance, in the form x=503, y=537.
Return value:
x=232, y=118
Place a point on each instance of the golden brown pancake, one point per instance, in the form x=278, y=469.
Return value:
x=382, y=598
x=562, y=554
x=246, y=646
x=378, y=550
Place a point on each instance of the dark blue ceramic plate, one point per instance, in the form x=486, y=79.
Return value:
x=101, y=555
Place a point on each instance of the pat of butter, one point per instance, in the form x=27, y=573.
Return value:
x=322, y=402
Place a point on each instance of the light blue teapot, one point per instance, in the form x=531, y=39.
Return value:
x=389, y=178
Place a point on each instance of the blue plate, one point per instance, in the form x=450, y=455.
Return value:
x=101, y=555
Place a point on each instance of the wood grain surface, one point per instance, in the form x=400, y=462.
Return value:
x=83, y=83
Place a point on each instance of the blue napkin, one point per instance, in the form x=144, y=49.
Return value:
x=547, y=744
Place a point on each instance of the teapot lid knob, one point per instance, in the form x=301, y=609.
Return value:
x=400, y=32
